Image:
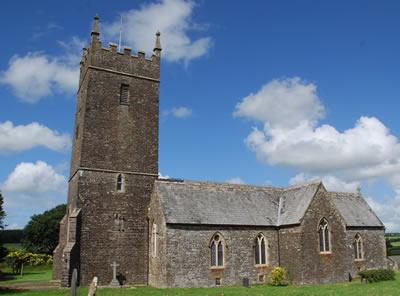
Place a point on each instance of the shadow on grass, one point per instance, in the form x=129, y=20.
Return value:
x=8, y=290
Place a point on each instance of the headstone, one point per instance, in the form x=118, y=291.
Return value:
x=114, y=282
x=93, y=287
x=74, y=282
x=246, y=282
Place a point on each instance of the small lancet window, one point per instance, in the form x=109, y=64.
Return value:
x=217, y=251
x=261, y=250
x=358, y=247
x=120, y=183
x=124, y=96
x=154, y=240
x=324, y=236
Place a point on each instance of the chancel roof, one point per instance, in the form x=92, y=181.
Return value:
x=354, y=210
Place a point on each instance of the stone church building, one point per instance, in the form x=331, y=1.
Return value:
x=175, y=233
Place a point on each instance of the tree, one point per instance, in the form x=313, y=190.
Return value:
x=2, y=212
x=3, y=251
x=41, y=232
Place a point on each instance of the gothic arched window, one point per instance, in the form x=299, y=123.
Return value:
x=358, y=247
x=324, y=236
x=217, y=251
x=261, y=250
x=120, y=183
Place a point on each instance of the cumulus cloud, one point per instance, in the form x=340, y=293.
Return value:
x=23, y=137
x=282, y=103
x=235, y=180
x=34, y=179
x=37, y=75
x=178, y=112
x=32, y=188
x=291, y=135
x=331, y=183
x=388, y=211
x=173, y=18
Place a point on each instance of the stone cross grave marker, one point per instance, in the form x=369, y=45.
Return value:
x=74, y=282
x=114, y=282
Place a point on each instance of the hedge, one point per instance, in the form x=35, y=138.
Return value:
x=377, y=275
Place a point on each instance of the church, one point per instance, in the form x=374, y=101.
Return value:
x=179, y=233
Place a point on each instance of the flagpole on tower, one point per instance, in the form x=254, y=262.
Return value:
x=120, y=35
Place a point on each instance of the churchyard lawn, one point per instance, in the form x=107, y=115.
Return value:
x=41, y=276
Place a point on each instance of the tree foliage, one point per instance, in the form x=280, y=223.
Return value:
x=41, y=232
x=3, y=251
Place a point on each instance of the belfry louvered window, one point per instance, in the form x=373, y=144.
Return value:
x=124, y=96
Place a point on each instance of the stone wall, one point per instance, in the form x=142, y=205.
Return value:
x=188, y=255
x=114, y=227
x=157, y=263
x=374, y=246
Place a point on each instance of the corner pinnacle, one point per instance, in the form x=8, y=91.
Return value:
x=157, y=47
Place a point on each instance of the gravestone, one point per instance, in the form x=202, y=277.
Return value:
x=93, y=287
x=114, y=282
x=246, y=282
x=74, y=282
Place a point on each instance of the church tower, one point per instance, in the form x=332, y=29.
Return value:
x=114, y=164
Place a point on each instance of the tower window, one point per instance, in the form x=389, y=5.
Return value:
x=124, y=96
x=120, y=183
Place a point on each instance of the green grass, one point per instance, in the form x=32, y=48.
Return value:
x=388, y=288
x=13, y=246
x=31, y=274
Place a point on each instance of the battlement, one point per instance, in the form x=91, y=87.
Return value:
x=110, y=59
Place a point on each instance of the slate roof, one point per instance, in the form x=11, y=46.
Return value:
x=189, y=202
x=354, y=209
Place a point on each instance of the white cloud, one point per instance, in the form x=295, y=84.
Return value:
x=331, y=183
x=161, y=176
x=282, y=103
x=179, y=112
x=34, y=179
x=31, y=188
x=36, y=75
x=235, y=180
x=388, y=211
x=24, y=137
x=173, y=18
x=291, y=135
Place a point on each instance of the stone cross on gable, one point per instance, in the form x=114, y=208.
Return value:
x=114, y=281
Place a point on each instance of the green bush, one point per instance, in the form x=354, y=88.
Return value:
x=16, y=259
x=278, y=277
x=377, y=275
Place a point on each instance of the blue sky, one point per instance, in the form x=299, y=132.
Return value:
x=261, y=92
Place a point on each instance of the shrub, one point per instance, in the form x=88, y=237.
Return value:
x=15, y=259
x=377, y=275
x=278, y=277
